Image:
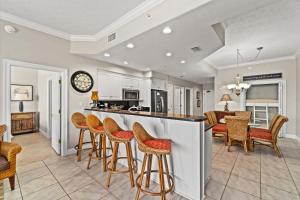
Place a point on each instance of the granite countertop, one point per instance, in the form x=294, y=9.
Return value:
x=192, y=118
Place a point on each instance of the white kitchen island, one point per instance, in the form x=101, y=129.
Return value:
x=191, y=157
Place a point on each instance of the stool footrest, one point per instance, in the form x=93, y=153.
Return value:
x=118, y=171
x=148, y=192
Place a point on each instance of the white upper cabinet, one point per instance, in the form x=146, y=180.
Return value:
x=158, y=84
x=130, y=83
x=109, y=86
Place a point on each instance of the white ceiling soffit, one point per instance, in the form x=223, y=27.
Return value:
x=276, y=27
x=146, y=19
x=189, y=30
x=76, y=17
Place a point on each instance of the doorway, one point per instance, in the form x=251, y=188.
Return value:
x=188, y=97
x=178, y=100
x=55, y=129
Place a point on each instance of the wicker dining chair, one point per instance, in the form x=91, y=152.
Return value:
x=274, y=119
x=243, y=114
x=218, y=130
x=8, y=159
x=237, y=130
x=268, y=138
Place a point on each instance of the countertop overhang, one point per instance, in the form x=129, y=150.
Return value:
x=192, y=118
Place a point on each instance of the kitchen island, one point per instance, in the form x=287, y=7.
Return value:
x=191, y=158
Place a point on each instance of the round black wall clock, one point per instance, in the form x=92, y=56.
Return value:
x=82, y=81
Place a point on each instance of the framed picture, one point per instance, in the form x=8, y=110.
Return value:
x=198, y=103
x=198, y=95
x=21, y=92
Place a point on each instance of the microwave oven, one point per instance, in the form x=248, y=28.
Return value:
x=131, y=94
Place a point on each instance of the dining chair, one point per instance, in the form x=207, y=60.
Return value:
x=266, y=137
x=243, y=114
x=218, y=130
x=237, y=127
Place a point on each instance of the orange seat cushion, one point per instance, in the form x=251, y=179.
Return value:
x=123, y=134
x=220, y=128
x=161, y=144
x=260, y=134
x=100, y=128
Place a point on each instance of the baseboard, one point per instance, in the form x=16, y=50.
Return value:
x=291, y=136
x=44, y=133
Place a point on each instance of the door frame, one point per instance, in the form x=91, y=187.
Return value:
x=191, y=100
x=6, y=82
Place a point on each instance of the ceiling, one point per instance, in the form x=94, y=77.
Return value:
x=189, y=30
x=76, y=17
x=276, y=27
x=273, y=24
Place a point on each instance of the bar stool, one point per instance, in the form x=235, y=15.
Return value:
x=96, y=128
x=79, y=121
x=117, y=136
x=153, y=146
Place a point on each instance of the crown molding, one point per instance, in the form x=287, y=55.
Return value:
x=123, y=20
x=32, y=25
x=257, y=62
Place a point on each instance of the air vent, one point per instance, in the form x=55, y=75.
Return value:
x=111, y=37
x=196, y=49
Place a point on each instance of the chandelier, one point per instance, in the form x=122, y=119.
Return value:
x=238, y=87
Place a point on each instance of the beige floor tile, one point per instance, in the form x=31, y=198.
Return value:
x=52, y=192
x=232, y=194
x=220, y=176
x=93, y=191
x=29, y=167
x=270, y=193
x=279, y=183
x=295, y=171
x=246, y=173
x=109, y=197
x=248, y=165
x=244, y=185
x=222, y=166
x=13, y=195
x=65, y=198
x=65, y=171
x=276, y=171
x=214, y=189
x=76, y=182
x=37, y=184
x=32, y=174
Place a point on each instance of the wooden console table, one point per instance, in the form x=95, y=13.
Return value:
x=24, y=122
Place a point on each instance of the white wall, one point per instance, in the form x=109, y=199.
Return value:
x=298, y=95
x=43, y=103
x=286, y=67
x=25, y=76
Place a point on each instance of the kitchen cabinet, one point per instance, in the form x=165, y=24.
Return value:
x=109, y=86
x=130, y=83
x=158, y=84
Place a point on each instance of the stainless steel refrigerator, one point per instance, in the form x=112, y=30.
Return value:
x=159, y=101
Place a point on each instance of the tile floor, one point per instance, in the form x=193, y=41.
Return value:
x=41, y=174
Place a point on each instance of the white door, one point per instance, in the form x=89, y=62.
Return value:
x=208, y=100
x=170, y=98
x=178, y=100
x=55, y=101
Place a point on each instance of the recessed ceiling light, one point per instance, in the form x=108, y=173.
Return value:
x=125, y=62
x=130, y=45
x=183, y=61
x=106, y=54
x=167, y=30
x=168, y=54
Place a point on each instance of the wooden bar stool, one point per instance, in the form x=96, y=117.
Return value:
x=153, y=146
x=79, y=121
x=117, y=136
x=96, y=128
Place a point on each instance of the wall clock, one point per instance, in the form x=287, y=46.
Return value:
x=82, y=81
